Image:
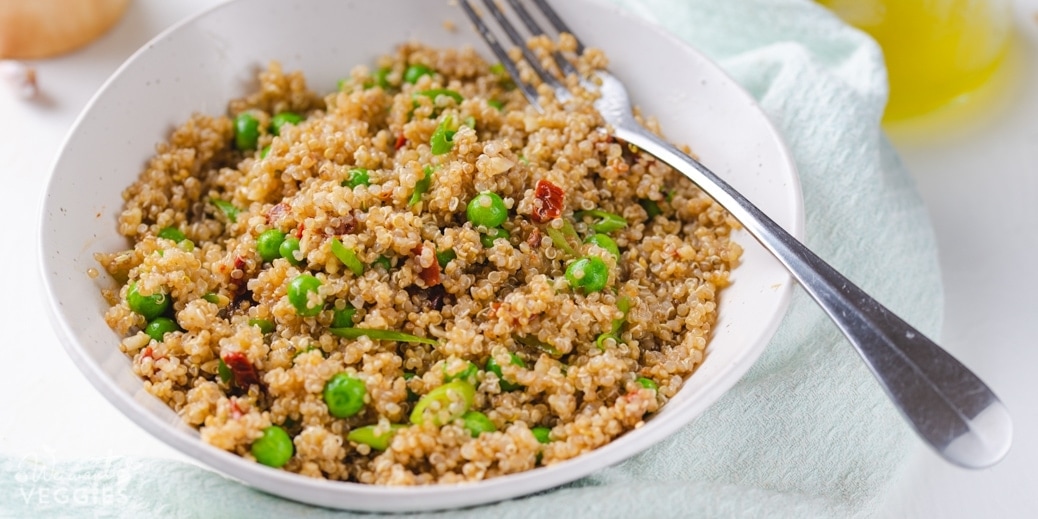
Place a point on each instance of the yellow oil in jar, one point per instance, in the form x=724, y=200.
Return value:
x=937, y=52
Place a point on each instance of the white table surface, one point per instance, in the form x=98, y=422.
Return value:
x=979, y=182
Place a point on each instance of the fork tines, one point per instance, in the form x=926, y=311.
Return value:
x=513, y=35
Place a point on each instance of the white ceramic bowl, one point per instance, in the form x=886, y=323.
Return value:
x=203, y=62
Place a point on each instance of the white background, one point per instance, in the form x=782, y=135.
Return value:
x=979, y=183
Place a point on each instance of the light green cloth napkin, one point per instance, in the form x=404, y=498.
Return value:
x=807, y=432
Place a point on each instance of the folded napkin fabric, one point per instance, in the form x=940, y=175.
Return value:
x=807, y=432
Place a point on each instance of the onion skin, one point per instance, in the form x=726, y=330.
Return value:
x=31, y=29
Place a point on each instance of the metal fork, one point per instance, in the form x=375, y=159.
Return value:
x=947, y=405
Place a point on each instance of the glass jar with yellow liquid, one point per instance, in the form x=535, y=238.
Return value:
x=937, y=51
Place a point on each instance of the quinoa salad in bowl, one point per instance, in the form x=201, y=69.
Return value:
x=352, y=266
x=418, y=278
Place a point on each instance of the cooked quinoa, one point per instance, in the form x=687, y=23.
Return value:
x=544, y=344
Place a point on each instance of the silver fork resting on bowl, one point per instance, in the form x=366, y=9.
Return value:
x=949, y=406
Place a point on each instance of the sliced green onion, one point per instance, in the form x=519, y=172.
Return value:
x=499, y=105
x=436, y=92
x=563, y=238
x=624, y=305
x=383, y=262
x=442, y=140
x=380, y=335
x=226, y=208
x=648, y=383
x=224, y=371
x=358, y=177
x=442, y=394
x=366, y=435
x=533, y=342
x=172, y=233
x=444, y=257
x=264, y=325
x=348, y=257
x=607, y=222
x=468, y=373
x=651, y=207
x=421, y=186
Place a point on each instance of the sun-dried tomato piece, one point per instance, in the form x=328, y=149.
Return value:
x=551, y=198
x=243, y=372
x=430, y=274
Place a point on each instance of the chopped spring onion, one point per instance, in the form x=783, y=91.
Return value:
x=607, y=222
x=442, y=140
x=380, y=335
x=422, y=186
x=348, y=257
x=565, y=237
x=436, y=92
x=623, y=303
x=651, y=207
x=226, y=208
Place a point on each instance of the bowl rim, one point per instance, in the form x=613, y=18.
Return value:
x=436, y=496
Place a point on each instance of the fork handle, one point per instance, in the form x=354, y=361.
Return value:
x=949, y=406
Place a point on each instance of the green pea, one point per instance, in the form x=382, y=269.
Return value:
x=274, y=448
x=265, y=326
x=383, y=262
x=212, y=298
x=366, y=435
x=381, y=78
x=172, y=233
x=343, y=318
x=344, y=395
x=268, y=244
x=605, y=242
x=416, y=71
x=443, y=395
x=492, y=235
x=159, y=327
x=590, y=274
x=288, y=250
x=444, y=257
x=477, y=423
x=487, y=209
x=246, y=131
x=495, y=368
x=299, y=290
x=148, y=306
x=648, y=383
x=358, y=177
x=543, y=434
x=282, y=119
